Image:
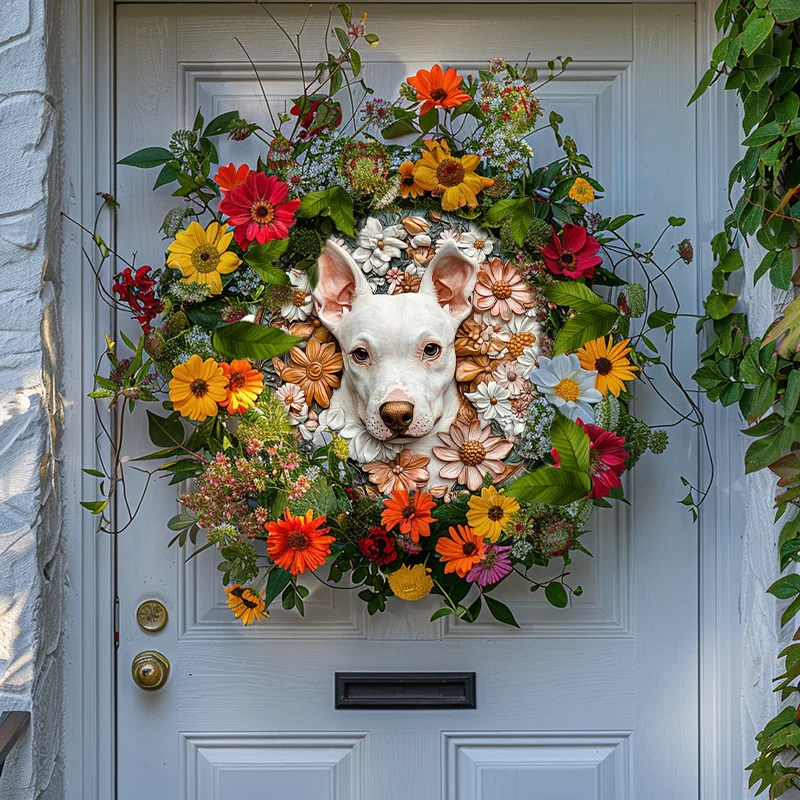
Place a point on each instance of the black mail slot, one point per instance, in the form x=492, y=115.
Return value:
x=405, y=690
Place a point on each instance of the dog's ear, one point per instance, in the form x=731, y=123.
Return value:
x=340, y=281
x=450, y=278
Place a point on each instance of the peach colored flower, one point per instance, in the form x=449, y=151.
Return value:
x=408, y=284
x=405, y=471
x=471, y=452
x=475, y=370
x=311, y=328
x=478, y=337
x=501, y=290
x=315, y=370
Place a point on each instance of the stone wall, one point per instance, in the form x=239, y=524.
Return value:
x=32, y=575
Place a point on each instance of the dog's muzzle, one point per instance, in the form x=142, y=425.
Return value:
x=397, y=415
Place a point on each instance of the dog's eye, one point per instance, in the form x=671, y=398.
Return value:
x=432, y=350
x=360, y=355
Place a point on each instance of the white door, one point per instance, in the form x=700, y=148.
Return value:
x=595, y=702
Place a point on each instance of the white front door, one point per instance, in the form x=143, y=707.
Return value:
x=598, y=701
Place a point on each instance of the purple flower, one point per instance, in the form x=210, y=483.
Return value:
x=494, y=566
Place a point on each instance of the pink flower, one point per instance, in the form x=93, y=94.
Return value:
x=406, y=471
x=501, y=290
x=470, y=453
x=606, y=459
x=493, y=567
x=258, y=209
x=574, y=255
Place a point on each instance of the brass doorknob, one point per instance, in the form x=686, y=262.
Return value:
x=150, y=670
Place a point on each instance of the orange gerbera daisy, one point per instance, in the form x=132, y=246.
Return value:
x=230, y=177
x=438, y=89
x=297, y=544
x=410, y=511
x=408, y=183
x=315, y=370
x=611, y=362
x=461, y=551
x=245, y=384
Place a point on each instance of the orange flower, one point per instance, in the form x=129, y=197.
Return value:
x=475, y=370
x=314, y=370
x=245, y=384
x=405, y=471
x=438, y=89
x=246, y=604
x=461, y=551
x=297, y=544
x=230, y=177
x=410, y=512
x=408, y=183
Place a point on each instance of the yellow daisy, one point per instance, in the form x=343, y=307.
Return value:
x=582, y=191
x=490, y=512
x=202, y=255
x=197, y=387
x=411, y=583
x=452, y=177
x=611, y=362
x=246, y=604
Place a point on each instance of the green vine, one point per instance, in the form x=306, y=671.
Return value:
x=759, y=58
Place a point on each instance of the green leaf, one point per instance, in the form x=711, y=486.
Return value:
x=572, y=444
x=500, y=211
x=344, y=39
x=428, y=121
x=618, y=222
x=780, y=274
x=313, y=204
x=441, y=612
x=95, y=506
x=731, y=261
x=763, y=135
x=785, y=10
x=720, y=304
x=500, y=611
x=168, y=173
x=705, y=82
x=792, y=394
x=248, y=340
x=221, y=124
x=785, y=587
x=165, y=431
x=574, y=295
x=660, y=318
x=757, y=27
x=265, y=255
x=521, y=219
x=346, y=12
x=272, y=275
x=372, y=39
x=400, y=128
x=556, y=595
x=147, y=158
x=95, y=473
x=277, y=581
x=340, y=206
x=586, y=327
x=551, y=485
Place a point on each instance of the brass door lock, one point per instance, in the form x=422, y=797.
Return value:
x=150, y=670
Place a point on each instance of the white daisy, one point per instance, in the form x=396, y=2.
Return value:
x=447, y=236
x=364, y=447
x=567, y=386
x=293, y=399
x=509, y=376
x=301, y=304
x=521, y=333
x=377, y=246
x=475, y=243
x=491, y=401
x=528, y=361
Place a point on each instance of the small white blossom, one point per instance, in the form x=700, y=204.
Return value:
x=476, y=244
x=491, y=401
x=567, y=386
x=377, y=246
x=301, y=304
x=293, y=399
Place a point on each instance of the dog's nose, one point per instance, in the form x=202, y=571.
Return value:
x=397, y=415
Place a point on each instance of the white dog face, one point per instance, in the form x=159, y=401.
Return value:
x=398, y=350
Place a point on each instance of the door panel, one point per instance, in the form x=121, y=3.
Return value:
x=598, y=701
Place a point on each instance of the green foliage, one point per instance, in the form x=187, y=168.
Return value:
x=248, y=340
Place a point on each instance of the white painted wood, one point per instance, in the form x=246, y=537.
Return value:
x=639, y=676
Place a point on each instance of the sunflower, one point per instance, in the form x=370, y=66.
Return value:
x=315, y=370
x=408, y=181
x=410, y=583
x=245, y=384
x=460, y=551
x=197, y=387
x=438, y=89
x=411, y=512
x=490, y=512
x=202, y=255
x=611, y=362
x=582, y=191
x=246, y=604
x=452, y=177
x=297, y=544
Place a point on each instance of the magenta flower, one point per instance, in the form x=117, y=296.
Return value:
x=493, y=567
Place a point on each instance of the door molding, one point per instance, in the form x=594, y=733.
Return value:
x=88, y=157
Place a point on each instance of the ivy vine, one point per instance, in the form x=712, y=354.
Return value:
x=759, y=58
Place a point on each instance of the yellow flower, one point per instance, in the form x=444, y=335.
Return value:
x=611, y=362
x=196, y=388
x=245, y=384
x=490, y=512
x=202, y=256
x=246, y=604
x=582, y=191
x=452, y=177
x=411, y=583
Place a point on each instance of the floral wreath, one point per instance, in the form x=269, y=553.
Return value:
x=279, y=482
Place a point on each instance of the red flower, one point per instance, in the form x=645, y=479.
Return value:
x=606, y=459
x=378, y=546
x=574, y=255
x=259, y=210
x=308, y=118
x=230, y=177
x=137, y=292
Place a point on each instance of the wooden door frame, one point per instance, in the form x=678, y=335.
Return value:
x=88, y=86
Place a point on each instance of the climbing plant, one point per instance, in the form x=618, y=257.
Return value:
x=759, y=58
